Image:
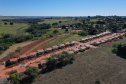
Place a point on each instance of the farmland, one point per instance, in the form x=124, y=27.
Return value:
x=98, y=63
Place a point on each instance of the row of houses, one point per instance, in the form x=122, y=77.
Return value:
x=76, y=50
x=96, y=36
x=114, y=36
x=40, y=52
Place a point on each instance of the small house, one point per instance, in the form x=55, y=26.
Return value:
x=87, y=46
x=33, y=65
x=40, y=52
x=21, y=70
x=70, y=52
x=83, y=48
x=83, y=40
x=72, y=42
x=55, y=47
x=61, y=46
x=43, y=61
x=48, y=50
x=33, y=54
x=67, y=43
x=23, y=57
x=13, y=60
x=76, y=50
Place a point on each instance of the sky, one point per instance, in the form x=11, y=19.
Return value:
x=62, y=7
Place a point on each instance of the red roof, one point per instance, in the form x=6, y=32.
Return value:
x=20, y=70
x=49, y=49
x=62, y=45
x=43, y=61
x=33, y=65
x=13, y=59
x=70, y=52
x=33, y=53
x=41, y=50
x=23, y=56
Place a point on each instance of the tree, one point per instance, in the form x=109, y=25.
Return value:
x=51, y=63
x=83, y=33
x=60, y=21
x=63, y=27
x=15, y=78
x=5, y=23
x=55, y=31
x=32, y=72
x=11, y=23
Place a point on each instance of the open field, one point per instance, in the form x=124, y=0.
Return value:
x=13, y=29
x=94, y=64
x=64, y=38
x=53, y=21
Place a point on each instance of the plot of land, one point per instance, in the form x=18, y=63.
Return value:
x=13, y=29
x=95, y=64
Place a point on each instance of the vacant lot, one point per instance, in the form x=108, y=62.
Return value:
x=94, y=64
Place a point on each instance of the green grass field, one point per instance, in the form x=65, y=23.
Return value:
x=13, y=29
x=99, y=63
x=53, y=21
x=64, y=38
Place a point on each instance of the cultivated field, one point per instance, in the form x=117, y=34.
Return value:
x=94, y=64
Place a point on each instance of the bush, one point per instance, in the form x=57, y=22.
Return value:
x=96, y=44
x=81, y=50
x=121, y=37
x=15, y=78
x=32, y=72
x=83, y=33
x=55, y=31
x=120, y=49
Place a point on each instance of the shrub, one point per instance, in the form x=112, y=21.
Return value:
x=32, y=72
x=83, y=33
x=15, y=78
x=121, y=37
x=96, y=44
x=81, y=50
x=109, y=40
x=125, y=34
x=55, y=31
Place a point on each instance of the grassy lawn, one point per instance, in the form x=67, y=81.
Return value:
x=13, y=29
x=94, y=64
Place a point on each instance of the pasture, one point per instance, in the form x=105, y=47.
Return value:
x=99, y=63
x=13, y=29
